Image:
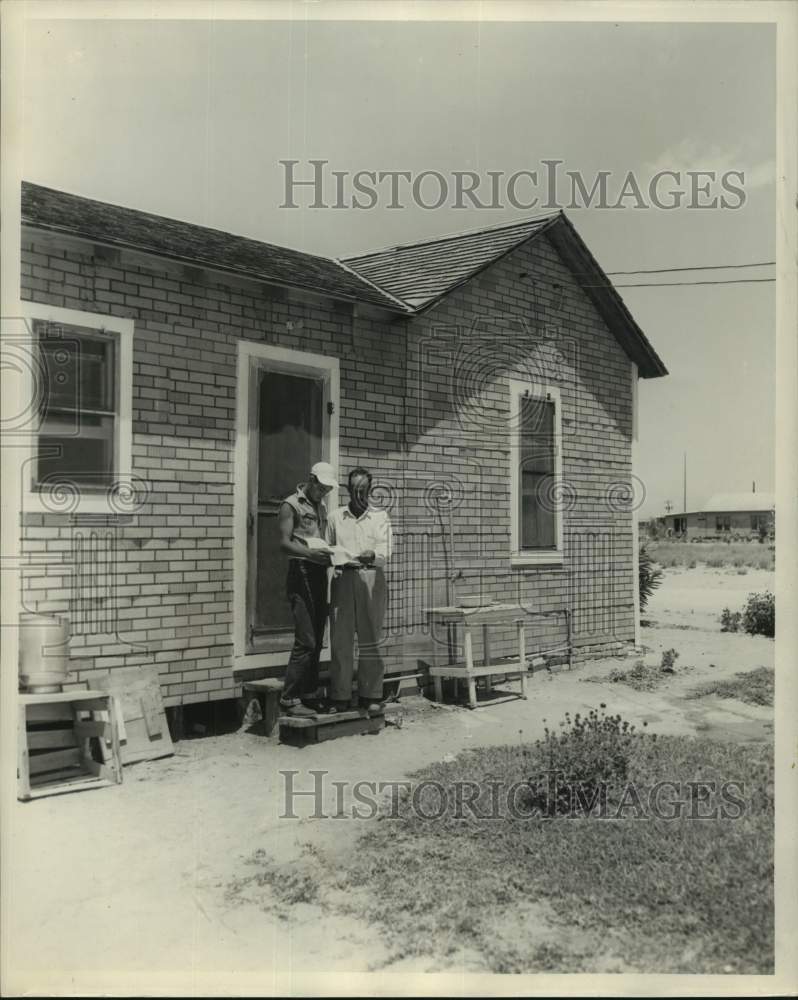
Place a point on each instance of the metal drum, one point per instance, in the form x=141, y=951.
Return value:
x=43, y=653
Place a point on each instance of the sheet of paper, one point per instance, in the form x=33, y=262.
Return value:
x=315, y=543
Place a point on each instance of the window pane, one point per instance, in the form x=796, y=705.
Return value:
x=538, y=527
x=77, y=369
x=537, y=434
x=86, y=458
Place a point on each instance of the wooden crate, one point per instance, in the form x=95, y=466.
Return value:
x=66, y=742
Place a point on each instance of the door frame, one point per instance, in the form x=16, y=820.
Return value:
x=251, y=357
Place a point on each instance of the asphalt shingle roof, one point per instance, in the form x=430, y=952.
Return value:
x=113, y=225
x=420, y=273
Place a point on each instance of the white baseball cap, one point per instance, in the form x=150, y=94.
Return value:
x=325, y=474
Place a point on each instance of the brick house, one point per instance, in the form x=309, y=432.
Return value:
x=726, y=515
x=190, y=377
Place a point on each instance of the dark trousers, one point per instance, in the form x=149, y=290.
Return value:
x=306, y=589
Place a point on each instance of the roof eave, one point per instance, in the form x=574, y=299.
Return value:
x=600, y=290
x=390, y=305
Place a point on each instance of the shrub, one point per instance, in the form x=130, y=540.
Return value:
x=591, y=753
x=649, y=576
x=669, y=658
x=759, y=614
x=730, y=620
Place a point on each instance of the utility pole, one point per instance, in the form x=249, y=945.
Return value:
x=684, y=509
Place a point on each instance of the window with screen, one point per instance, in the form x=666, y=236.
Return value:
x=537, y=474
x=78, y=406
x=536, y=514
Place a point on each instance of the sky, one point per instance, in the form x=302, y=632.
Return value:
x=191, y=120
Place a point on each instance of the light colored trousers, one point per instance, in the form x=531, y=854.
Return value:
x=357, y=607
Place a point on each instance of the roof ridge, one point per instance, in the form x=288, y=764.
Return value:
x=547, y=216
x=362, y=277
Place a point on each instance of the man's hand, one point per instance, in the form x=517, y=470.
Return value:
x=367, y=557
x=321, y=556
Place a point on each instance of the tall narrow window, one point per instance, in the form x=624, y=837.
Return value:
x=535, y=474
x=538, y=488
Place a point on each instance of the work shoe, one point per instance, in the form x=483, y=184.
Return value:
x=371, y=707
x=336, y=707
x=299, y=711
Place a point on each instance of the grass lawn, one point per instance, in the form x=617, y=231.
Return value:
x=662, y=895
x=752, y=686
x=740, y=555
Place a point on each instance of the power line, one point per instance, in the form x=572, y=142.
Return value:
x=697, y=267
x=683, y=284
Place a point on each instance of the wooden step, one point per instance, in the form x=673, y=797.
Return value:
x=301, y=730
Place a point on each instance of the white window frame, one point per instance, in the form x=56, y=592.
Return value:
x=533, y=557
x=122, y=330
x=251, y=355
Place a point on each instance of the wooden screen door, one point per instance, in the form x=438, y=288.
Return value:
x=289, y=431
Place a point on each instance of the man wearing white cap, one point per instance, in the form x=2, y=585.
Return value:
x=302, y=517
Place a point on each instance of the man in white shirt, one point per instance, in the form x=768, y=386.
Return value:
x=358, y=596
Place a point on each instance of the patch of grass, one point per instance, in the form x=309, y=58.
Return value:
x=642, y=676
x=664, y=895
x=713, y=554
x=755, y=687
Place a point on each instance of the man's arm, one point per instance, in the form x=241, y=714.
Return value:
x=383, y=545
x=285, y=525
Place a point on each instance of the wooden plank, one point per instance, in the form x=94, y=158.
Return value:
x=51, y=739
x=151, y=719
x=492, y=670
x=76, y=785
x=75, y=773
x=66, y=697
x=23, y=772
x=305, y=722
x=120, y=720
x=57, y=712
x=85, y=730
x=38, y=763
x=137, y=691
x=265, y=684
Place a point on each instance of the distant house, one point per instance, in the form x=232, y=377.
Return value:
x=725, y=515
x=188, y=378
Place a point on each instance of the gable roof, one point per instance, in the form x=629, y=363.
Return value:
x=421, y=274
x=404, y=280
x=733, y=503
x=112, y=225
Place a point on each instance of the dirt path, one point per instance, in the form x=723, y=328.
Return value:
x=111, y=885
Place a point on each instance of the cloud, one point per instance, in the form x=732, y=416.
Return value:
x=690, y=155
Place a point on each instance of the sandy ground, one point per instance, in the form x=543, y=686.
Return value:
x=127, y=887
